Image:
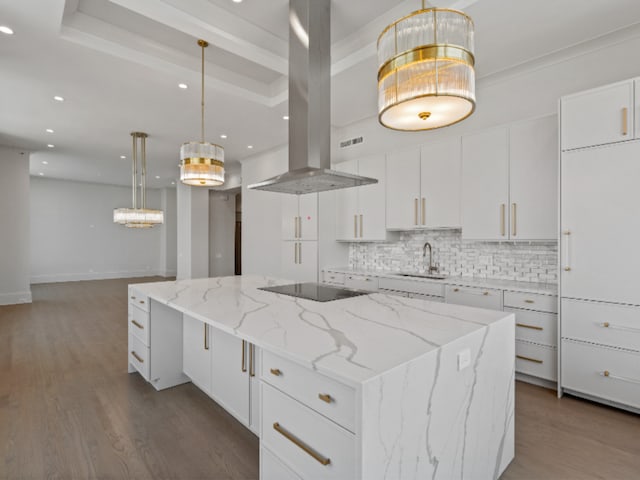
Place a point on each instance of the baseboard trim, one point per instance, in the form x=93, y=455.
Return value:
x=79, y=277
x=541, y=382
x=15, y=298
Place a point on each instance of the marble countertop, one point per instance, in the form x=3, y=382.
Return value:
x=353, y=340
x=510, y=285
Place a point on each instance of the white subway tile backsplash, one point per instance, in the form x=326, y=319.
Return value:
x=530, y=262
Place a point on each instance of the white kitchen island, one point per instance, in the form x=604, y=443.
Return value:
x=371, y=387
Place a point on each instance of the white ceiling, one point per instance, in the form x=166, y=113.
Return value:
x=118, y=63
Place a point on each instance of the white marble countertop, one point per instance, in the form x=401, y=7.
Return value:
x=510, y=285
x=352, y=340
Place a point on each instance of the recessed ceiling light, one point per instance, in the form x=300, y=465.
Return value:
x=7, y=30
x=249, y=146
x=286, y=117
x=44, y=162
x=123, y=156
x=237, y=1
x=223, y=136
x=41, y=174
x=49, y=130
x=183, y=86
x=173, y=183
x=58, y=98
x=157, y=176
x=51, y=145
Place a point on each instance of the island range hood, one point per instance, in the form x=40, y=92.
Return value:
x=310, y=106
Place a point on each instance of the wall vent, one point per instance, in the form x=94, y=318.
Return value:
x=351, y=142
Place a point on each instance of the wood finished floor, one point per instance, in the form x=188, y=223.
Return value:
x=69, y=410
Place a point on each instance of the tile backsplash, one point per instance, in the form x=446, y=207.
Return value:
x=522, y=261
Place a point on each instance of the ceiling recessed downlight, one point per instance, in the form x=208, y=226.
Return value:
x=48, y=130
x=249, y=146
x=183, y=86
x=285, y=117
x=157, y=176
x=41, y=174
x=6, y=30
x=44, y=162
x=123, y=156
x=223, y=136
x=51, y=145
x=237, y=1
x=58, y=98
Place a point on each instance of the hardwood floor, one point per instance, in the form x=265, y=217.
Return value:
x=69, y=410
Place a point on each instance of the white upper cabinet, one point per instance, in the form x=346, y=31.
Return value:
x=485, y=185
x=403, y=189
x=300, y=261
x=597, y=117
x=440, y=183
x=636, y=117
x=533, y=179
x=360, y=211
x=289, y=216
x=299, y=217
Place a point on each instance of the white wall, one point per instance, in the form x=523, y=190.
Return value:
x=14, y=227
x=73, y=236
x=222, y=224
x=169, y=242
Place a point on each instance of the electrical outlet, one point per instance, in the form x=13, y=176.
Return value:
x=464, y=359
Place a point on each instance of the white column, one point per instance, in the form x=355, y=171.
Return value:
x=193, y=232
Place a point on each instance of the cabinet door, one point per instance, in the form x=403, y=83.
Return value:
x=347, y=205
x=597, y=117
x=307, y=270
x=290, y=210
x=289, y=260
x=196, y=352
x=403, y=189
x=230, y=383
x=441, y=180
x=485, y=185
x=599, y=209
x=636, y=118
x=308, y=213
x=371, y=199
x=533, y=177
x=254, y=390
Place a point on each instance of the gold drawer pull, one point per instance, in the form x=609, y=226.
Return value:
x=456, y=289
x=133, y=298
x=606, y=373
x=244, y=356
x=606, y=325
x=299, y=443
x=252, y=371
x=325, y=397
x=137, y=324
x=276, y=372
x=610, y=375
x=529, y=359
x=567, y=269
x=529, y=301
x=136, y=356
x=625, y=121
x=532, y=327
x=141, y=301
x=486, y=294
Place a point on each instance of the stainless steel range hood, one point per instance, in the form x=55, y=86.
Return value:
x=310, y=106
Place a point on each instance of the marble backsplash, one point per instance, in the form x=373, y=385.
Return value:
x=521, y=261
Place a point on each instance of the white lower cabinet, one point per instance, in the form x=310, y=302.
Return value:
x=197, y=353
x=361, y=282
x=540, y=361
x=271, y=468
x=474, y=297
x=300, y=261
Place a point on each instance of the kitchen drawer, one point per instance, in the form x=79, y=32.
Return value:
x=139, y=324
x=474, y=297
x=314, y=447
x=412, y=286
x=537, y=360
x=536, y=327
x=361, y=282
x=431, y=298
x=307, y=386
x=392, y=292
x=602, y=372
x=139, y=356
x=603, y=323
x=272, y=468
x=138, y=299
x=334, y=278
x=531, y=301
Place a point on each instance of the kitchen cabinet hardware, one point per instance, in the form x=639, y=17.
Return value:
x=142, y=301
x=502, y=220
x=355, y=226
x=532, y=327
x=361, y=222
x=325, y=397
x=514, y=230
x=252, y=367
x=244, y=355
x=424, y=211
x=136, y=356
x=529, y=301
x=566, y=234
x=485, y=293
x=529, y=359
x=415, y=212
x=456, y=289
x=299, y=253
x=206, y=337
x=276, y=371
x=133, y=297
x=608, y=374
x=137, y=324
x=299, y=443
x=625, y=121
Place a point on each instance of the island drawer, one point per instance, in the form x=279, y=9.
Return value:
x=602, y=323
x=474, y=297
x=139, y=356
x=602, y=372
x=412, y=286
x=536, y=327
x=531, y=301
x=537, y=360
x=361, y=282
x=272, y=468
x=314, y=446
x=334, y=278
x=139, y=324
x=138, y=299
x=329, y=397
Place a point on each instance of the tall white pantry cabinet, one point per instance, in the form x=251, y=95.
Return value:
x=599, y=233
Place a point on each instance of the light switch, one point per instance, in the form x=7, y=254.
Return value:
x=464, y=359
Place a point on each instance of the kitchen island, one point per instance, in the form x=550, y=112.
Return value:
x=374, y=386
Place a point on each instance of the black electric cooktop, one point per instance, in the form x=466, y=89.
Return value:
x=314, y=291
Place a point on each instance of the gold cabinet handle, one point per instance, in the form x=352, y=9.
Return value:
x=252, y=370
x=206, y=337
x=299, y=253
x=529, y=359
x=566, y=234
x=606, y=324
x=361, y=223
x=415, y=212
x=299, y=443
x=325, y=397
x=299, y=227
x=485, y=294
x=514, y=231
x=532, y=327
x=136, y=356
x=529, y=301
x=625, y=121
x=276, y=371
x=502, y=220
x=424, y=208
x=133, y=298
x=610, y=375
x=137, y=324
x=456, y=289
x=141, y=301
x=355, y=226
x=244, y=356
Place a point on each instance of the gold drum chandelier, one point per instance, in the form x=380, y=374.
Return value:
x=202, y=163
x=426, y=75
x=138, y=217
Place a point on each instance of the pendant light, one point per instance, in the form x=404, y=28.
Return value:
x=426, y=76
x=135, y=217
x=202, y=163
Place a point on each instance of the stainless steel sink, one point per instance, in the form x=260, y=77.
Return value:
x=423, y=275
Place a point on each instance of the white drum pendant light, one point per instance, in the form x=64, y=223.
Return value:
x=426, y=76
x=202, y=163
x=135, y=217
